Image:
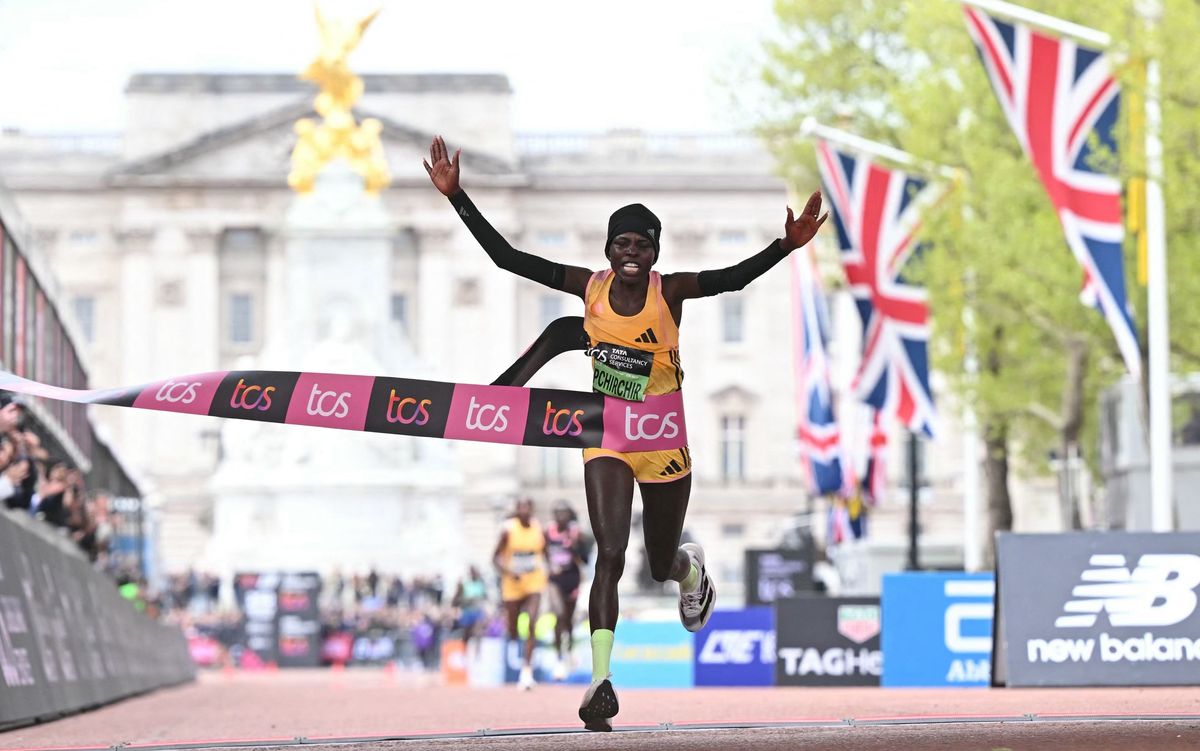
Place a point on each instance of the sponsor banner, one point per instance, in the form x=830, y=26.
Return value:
x=1098, y=609
x=68, y=640
x=937, y=629
x=299, y=620
x=736, y=648
x=410, y=407
x=433, y=409
x=656, y=424
x=258, y=600
x=828, y=641
x=777, y=574
x=254, y=395
x=561, y=418
x=652, y=655
x=281, y=623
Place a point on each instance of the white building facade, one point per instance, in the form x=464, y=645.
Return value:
x=167, y=241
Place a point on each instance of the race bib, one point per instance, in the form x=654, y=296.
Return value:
x=623, y=372
x=524, y=563
x=561, y=558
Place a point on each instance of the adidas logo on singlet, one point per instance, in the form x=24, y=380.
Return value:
x=647, y=337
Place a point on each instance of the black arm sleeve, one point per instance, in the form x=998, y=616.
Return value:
x=502, y=254
x=562, y=335
x=736, y=277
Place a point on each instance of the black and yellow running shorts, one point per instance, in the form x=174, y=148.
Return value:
x=649, y=466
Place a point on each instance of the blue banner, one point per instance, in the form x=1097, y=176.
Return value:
x=736, y=648
x=652, y=655
x=937, y=629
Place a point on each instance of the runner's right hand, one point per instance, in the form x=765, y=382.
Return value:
x=442, y=169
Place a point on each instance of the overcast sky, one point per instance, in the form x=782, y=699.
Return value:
x=64, y=63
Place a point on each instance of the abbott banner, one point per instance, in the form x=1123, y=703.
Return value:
x=937, y=628
x=1098, y=609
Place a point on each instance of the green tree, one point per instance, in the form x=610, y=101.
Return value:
x=907, y=74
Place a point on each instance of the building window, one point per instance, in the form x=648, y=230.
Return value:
x=241, y=318
x=84, y=237
x=551, y=237
x=733, y=530
x=732, y=319
x=731, y=237
x=400, y=310
x=84, y=307
x=733, y=448
x=549, y=308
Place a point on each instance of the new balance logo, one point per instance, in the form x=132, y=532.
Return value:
x=1160, y=591
x=647, y=337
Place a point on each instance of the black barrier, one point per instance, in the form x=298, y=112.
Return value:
x=777, y=574
x=68, y=640
x=1097, y=609
x=827, y=641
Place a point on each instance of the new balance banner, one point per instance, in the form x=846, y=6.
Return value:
x=775, y=574
x=828, y=641
x=937, y=629
x=68, y=640
x=494, y=414
x=736, y=648
x=1098, y=609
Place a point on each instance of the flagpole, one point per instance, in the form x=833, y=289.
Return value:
x=810, y=127
x=1032, y=17
x=972, y=547
x=1161, y=464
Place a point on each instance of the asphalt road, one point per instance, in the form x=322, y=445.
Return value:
x=379, y=710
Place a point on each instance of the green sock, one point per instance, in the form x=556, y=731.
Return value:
x=602, y=643
x=691, y=581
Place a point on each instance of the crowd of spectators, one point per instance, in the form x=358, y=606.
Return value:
x=47, y=487
x=367, y=618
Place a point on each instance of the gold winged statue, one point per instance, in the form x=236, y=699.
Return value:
x=337, y=135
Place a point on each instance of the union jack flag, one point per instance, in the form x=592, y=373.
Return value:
x=1061, y=100
x=876, y=212
x=820, y=439
x=874, y=482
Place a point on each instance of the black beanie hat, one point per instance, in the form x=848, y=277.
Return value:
x=634, y=218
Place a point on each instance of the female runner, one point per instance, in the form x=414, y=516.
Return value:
x=632, y=309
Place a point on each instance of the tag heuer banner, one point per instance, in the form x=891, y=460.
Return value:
x=1097, y=609
x=827, y=641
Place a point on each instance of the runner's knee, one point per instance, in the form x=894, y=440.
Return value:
x=610, y=559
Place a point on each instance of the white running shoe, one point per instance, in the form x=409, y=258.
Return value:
x=526, y=681
x=696, y=606
x=599, y=705
x=560, y=671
